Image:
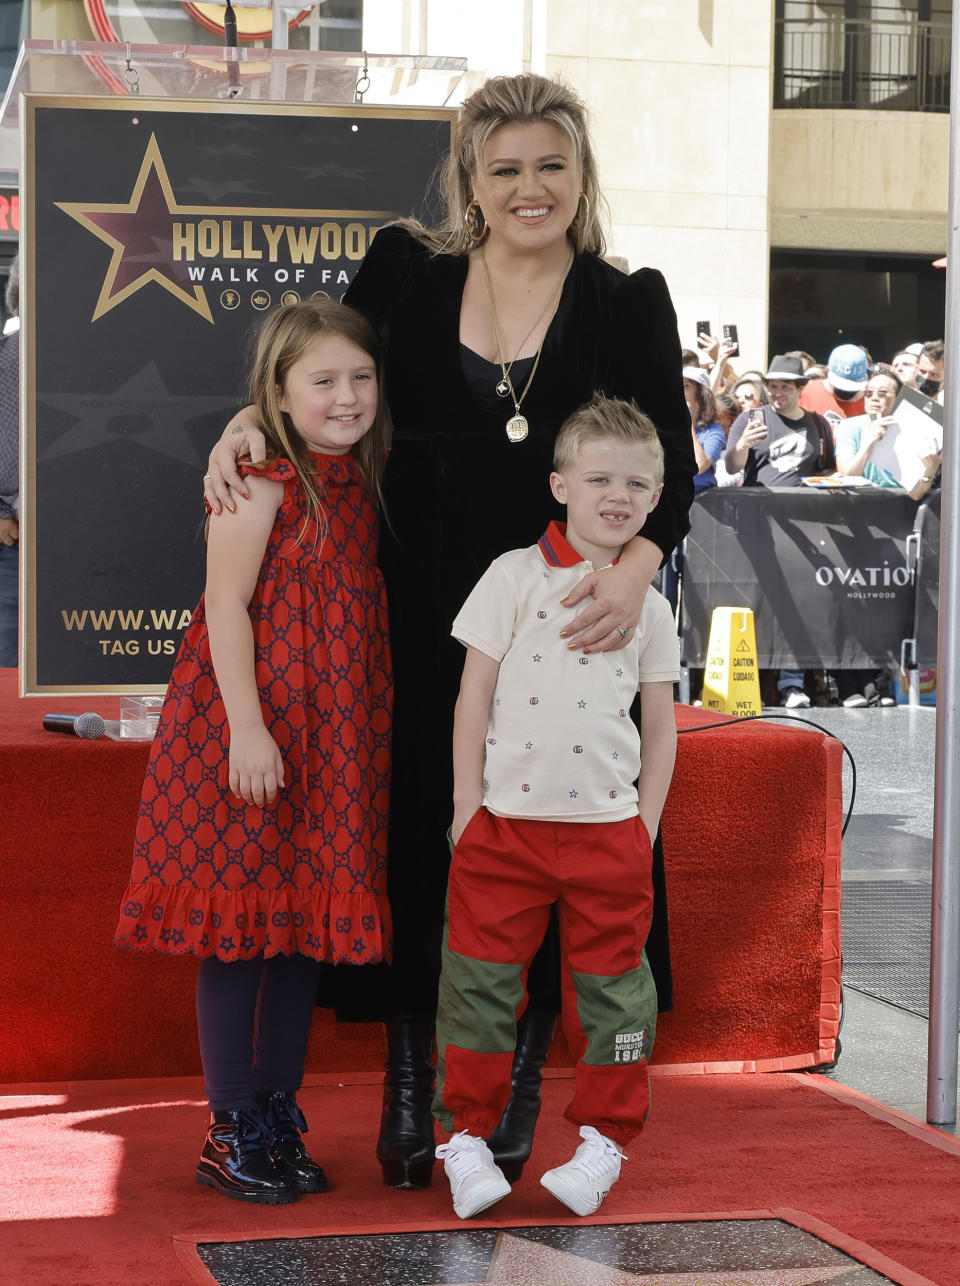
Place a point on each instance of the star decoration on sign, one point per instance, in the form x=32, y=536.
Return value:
x=520, y=1259
x=330, y=170
x=216, y=191
x=140, y=234
x=141, y=410
x=140, y=231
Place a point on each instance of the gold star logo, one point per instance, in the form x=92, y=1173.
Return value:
x=140, y=234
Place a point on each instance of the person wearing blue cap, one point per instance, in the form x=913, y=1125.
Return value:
x=840, y=395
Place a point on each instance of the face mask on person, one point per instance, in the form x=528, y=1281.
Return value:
x=928, y=387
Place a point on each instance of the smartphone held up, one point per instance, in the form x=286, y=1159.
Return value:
x=757, y=421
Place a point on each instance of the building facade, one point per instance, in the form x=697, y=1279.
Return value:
x=783, y=162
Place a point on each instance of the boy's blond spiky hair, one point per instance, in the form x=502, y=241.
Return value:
x=607, y=417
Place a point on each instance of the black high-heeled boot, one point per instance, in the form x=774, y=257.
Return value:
x=512, y=1141
x=285, y=1123
x=406, y=1143
x=236, y=1160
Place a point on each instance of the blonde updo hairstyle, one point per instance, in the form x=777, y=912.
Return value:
x=282, y=338
x=517, y=100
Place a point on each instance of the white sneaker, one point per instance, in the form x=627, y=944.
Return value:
x=585, y=1180
x=476, y=1181
x=796, y=699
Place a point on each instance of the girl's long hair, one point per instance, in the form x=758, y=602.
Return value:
x=515, y=100
x=282, y=338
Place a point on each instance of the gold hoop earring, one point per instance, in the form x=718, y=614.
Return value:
x=475, y=223
x=579, y=223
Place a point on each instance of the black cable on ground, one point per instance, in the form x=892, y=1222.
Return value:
x=793, y=718
x=790, y=718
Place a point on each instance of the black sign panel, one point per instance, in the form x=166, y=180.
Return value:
x=157, y=234
x=927, y=613
x=826, y=575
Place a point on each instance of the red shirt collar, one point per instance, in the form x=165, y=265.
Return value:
x=554, y=548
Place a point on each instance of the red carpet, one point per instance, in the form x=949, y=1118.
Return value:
x=99, y=1185
x=754, y=895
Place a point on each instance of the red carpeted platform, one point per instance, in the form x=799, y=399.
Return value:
x=105, y=1196
x=752, y=840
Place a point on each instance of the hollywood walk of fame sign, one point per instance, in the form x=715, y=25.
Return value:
x=156, y=233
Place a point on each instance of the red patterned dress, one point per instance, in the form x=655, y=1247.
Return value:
x=215, y=876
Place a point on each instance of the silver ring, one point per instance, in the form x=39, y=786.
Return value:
x=206, y=477
x=622, y=632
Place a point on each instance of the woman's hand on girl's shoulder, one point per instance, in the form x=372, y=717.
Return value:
x=222, y=482
x=256, y=766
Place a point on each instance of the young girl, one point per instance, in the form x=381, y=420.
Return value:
x=261, y=841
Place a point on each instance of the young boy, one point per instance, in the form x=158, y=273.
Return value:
x=545, y=810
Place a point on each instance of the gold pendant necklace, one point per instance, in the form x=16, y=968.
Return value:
x=517, y=426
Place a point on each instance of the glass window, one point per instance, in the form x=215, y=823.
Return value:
x=892, y=54
x=11, y=23
x=883, y=301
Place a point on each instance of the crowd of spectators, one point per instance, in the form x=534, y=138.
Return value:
x=798, y=420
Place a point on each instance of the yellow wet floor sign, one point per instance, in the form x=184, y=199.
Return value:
x=731, y=683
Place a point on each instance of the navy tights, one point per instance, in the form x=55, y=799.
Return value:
x=254, y=1019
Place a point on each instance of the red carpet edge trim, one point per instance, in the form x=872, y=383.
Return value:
x=866, y=1254
x=831, y=992
x=185, y=1246
x=193, y=1085
x=891, y=1115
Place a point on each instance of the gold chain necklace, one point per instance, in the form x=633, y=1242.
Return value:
x=517, y=426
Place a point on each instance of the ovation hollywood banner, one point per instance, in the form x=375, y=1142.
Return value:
x=828, y=576
x=157, y=234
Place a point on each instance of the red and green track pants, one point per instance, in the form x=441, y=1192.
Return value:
x=504, y=876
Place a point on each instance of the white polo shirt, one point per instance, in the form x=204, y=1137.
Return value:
x=561, y=745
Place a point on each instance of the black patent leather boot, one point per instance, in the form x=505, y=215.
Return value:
x=512, y=1141
x=406, y=1142
x=285, y=1123
x=236, y=1160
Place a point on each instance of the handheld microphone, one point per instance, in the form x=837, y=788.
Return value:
x=229, y=26
x=87, y=726
x=230, y=40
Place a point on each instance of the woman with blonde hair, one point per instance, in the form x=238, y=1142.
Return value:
x=495, y=326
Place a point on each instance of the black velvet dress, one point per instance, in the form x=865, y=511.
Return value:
x=459, y=494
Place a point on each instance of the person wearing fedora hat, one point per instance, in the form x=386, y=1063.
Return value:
x=840, y=394
x=778, y=446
